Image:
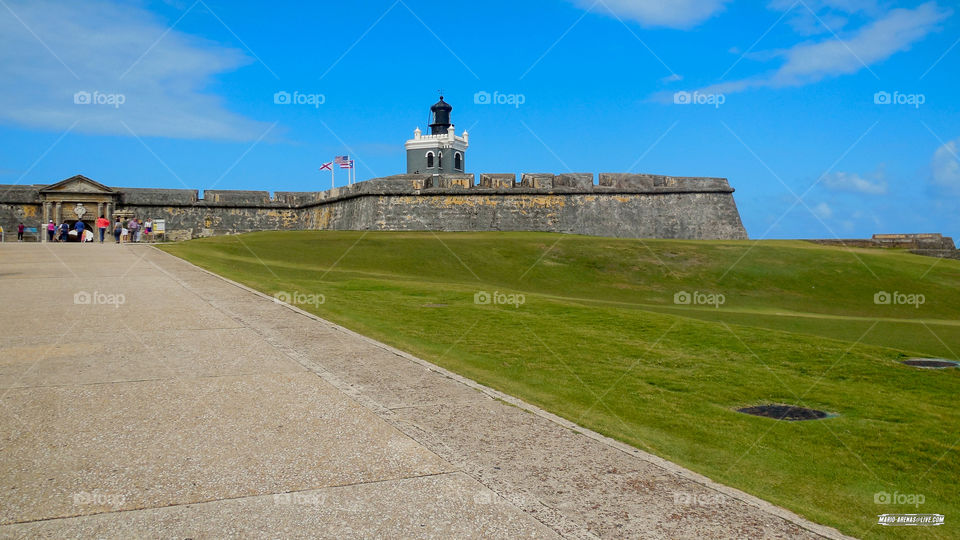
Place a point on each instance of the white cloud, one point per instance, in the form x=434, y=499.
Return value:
x=842, y=181
x=823, y=211
x=946, y=166
x=822, y=16
x=92, y=45
x=810, y=61
x=847, y=6
x=673, y=14
x=897, y=31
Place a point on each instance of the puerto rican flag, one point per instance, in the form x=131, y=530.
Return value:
x=347, y=164
x=328, y=166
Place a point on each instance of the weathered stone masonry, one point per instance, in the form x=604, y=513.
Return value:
x=622, y=205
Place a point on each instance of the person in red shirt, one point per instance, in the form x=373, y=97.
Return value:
x=102, y=224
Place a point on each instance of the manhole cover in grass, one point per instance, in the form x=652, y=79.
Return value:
x=936, y=363
x=784, y=412
x=436, y=305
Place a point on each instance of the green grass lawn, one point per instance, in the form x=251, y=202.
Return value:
x=600, y=340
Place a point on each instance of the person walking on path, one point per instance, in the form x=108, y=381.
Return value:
x=51, y=228
x=20, y=232
x=134, y=227
x=102, y=224
x=117, y=229
x=148, y=228
x=80, y=226
x=64, y=231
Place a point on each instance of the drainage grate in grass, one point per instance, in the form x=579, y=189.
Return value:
x=934, y=363
x=784, y=412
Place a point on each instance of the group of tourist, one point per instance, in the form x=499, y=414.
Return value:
x=134, y=230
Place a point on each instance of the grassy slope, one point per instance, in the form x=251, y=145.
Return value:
x=600, y=342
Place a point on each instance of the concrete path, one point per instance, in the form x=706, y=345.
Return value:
x=144, y=397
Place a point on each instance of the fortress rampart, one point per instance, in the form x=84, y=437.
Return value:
x=929, y=244
x=620, y=205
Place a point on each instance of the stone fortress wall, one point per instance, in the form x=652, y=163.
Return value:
x=19, y=204
x=929, y=244
x=621, y=205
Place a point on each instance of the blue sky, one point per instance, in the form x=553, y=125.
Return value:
x=831, y=118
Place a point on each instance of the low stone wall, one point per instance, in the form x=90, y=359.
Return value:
x=218, y=212
x=917, y=242
x=940, y=253
x=928, y=241
x=928, y=244
x=199, y=220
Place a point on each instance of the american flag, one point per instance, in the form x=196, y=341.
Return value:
x=347, y=164
x=341, y=160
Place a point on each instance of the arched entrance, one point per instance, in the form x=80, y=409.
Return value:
x=88, y=225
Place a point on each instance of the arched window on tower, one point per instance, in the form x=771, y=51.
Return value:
x=429, y=160
x=458, y=161
x=439, y=160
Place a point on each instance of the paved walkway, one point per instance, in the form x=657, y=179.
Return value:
x=144, y=397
